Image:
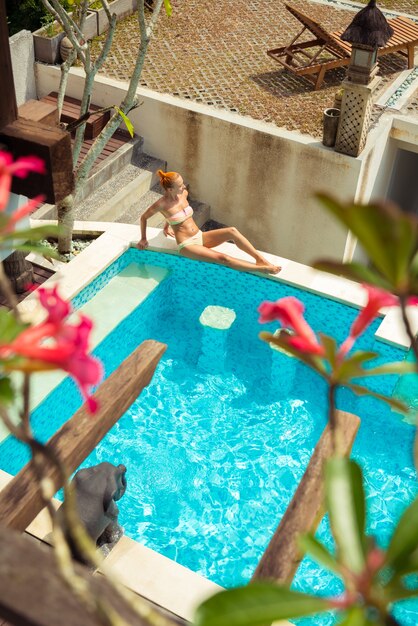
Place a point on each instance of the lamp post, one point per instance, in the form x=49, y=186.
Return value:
x=363, y=64
x=367, y=32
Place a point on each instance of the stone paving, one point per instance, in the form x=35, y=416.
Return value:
x=214, y=52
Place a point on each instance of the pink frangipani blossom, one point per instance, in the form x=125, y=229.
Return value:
x=55, y=343
x=289, y=312
x=20, y=168
x=57, y=308
x=376, y=299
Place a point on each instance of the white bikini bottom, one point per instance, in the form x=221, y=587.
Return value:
x=195, y=240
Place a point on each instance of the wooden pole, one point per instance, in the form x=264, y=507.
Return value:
x=20, y=500
x=8, y=106
x=282, y=556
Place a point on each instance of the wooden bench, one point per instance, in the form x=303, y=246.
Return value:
x=38, y=111
x=314, y=57
x=71, y=113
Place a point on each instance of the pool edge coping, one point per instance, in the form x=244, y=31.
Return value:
x=116, y=238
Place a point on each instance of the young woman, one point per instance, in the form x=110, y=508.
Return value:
x=191, y=241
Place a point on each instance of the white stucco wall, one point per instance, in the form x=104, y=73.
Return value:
x=21, y=49
x=255, y=176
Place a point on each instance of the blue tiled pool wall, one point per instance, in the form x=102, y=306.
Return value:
x=171, y=315
x=45, y=419
x=102, y=279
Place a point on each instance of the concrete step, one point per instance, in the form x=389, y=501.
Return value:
x=116, y=195
x=130, y=152
x=132, y=214
x=119, y=194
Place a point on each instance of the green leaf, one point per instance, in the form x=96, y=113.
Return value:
x=398, y=367
x=352, y=271
x=168, y=7
x=392, y=402
x=44, y=251
x=356, y=616
x=405, y=538
x=127, y=121
x=346, y=507
x=32, y=234
x=316, y=363
x=10, y=328
x=7, y=393
x=409, y=566
x=256, y=604
x=414, y=265
x=396, y=591
x=388, y=236
x=352, y=366
x=330, y=346
x=311, y=546
x=4, y=219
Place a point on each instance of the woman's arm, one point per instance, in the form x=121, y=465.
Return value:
x=168, y=231
x=152, y=210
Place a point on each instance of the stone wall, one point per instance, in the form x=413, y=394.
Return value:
x=254, y=175
x=21, y=49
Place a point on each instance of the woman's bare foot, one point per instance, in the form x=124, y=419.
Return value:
x=268, y=268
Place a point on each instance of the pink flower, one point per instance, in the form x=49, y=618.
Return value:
x=57, y=344
x=21, y=168
x=57, y=308
x=376, y=299
x=289, y=312
x=21, y=212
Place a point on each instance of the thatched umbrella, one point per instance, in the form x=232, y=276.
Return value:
x=368, y=28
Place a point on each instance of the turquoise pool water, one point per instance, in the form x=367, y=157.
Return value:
x=215, y=447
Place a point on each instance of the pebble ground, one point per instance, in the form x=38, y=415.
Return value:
x=214, y=52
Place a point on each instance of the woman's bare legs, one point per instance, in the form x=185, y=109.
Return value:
x=201, y=253
x=213, y=238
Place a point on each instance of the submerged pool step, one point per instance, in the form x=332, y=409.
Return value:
x=107, y=308
x=120, y=297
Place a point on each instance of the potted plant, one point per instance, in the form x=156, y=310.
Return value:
x=47, y=41
x=97, y=22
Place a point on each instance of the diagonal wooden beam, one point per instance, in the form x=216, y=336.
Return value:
x=282, y=557
x=20, y=500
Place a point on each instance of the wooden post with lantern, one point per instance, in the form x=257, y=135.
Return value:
x=367, y=32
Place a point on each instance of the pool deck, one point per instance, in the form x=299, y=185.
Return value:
x=215, y=54
x=160, y=579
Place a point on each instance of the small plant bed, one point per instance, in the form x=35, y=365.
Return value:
x=78, y=245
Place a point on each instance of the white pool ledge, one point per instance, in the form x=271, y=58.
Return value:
x=117, y=238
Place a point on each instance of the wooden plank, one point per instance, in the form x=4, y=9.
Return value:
x=53, y=145
x=38, y=111
x=71, y=112
x=20, y=500
x=282, y=557
x=8, y=105
x=33, y=593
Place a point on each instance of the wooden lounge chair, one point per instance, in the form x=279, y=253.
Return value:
x=314, y=57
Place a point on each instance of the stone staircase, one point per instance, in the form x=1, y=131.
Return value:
x=122, y=189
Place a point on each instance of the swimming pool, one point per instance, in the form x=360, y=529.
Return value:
x=215, y=448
